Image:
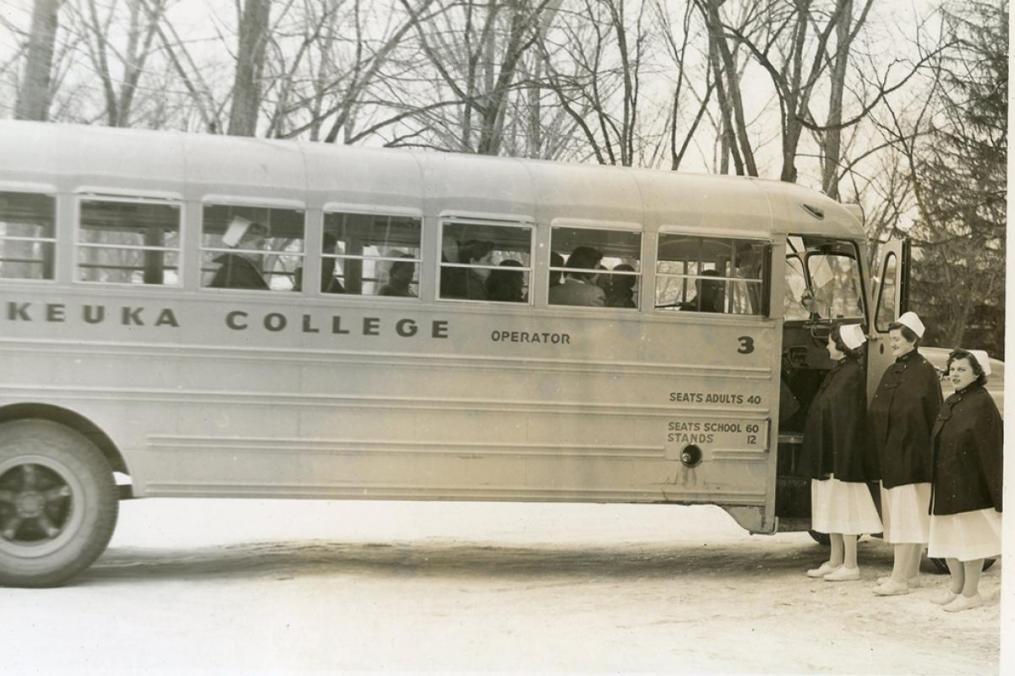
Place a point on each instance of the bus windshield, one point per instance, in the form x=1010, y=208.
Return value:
x=822, y=280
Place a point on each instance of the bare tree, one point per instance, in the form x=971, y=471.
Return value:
x=34, y=94
x=596, y=71
x=473, y=53
x=832, y=146
x=253, y=38
x=727, y=81
x=329, y=69
x=679, y=53
x=119, y=69
x=791, y=44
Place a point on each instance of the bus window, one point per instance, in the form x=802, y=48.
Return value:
x=828, y=285
x=128, y=241
x=795, y=290
x=251, y=247
x=886, y=295
x=835, y=280
x=710, y=274
x=370, y=254
x=26, y=235
x=586, y=259
x=486, y=261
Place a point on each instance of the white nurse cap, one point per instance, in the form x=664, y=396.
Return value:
x=982, y=359
x=236, y=230
x=911, y=320
x=852, y=335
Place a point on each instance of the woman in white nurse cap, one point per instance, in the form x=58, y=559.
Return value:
x=836, y=455
x=239, y=268
x=901, y=417
x=965, y=522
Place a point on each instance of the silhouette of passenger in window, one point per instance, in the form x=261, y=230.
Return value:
x=579, y=287
x=399, y=279
x=556, y=277
x=709, y=296
x=240, y=268
x=505, y=284
x=329, y=283
x=468, y=283
x=620, y=291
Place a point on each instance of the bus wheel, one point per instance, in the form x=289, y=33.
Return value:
x=941, y=568
x=820, y=538
x=58, y=503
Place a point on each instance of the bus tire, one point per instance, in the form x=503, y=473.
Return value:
x=941, y=568
x=58, y=503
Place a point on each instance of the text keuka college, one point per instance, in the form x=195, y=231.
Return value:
x=236, y=320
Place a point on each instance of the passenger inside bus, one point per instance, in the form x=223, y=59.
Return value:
x=505, y=284
x=399, y=278
x=709, y=295
x=711, y=274
x=240, y=269
x=603, y=278
x=556, y=276
x=468, y=283
x=579, y=285
x=329, y=283
x=620, y=290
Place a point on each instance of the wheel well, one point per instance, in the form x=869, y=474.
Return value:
x=73, y=420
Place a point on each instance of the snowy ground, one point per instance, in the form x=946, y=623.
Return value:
x=292, y=586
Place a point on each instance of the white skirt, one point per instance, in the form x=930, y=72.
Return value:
x=843, y=507
x=905, y=512
x=966, y=536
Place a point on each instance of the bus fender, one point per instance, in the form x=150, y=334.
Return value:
x=76, y=422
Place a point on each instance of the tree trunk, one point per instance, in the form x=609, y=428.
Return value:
x=249, y=68
x=734, y=117
x=833, y=136
x=792, y=94
x=33, y=96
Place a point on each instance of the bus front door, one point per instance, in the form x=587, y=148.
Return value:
x=889, y=298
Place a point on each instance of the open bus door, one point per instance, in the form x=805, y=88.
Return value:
x=889, y=298
x=825, y=287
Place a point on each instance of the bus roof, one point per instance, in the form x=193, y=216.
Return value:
x=76, y=158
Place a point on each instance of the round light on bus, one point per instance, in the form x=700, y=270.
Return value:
x=691, y=456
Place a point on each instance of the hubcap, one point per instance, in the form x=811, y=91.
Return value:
x=29, y=504
x=35, y=504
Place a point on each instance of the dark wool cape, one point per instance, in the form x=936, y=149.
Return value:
x=835, y=434
x=901, y=416
x=968, y=458
x=236, y=272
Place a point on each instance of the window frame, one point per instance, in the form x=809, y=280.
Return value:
x=488, y=220
x=804, y=274
x=860, y=269
x=371, y=210
x=890, y=257
x=48, y=190
x=768, y=246
x=140, y=197
x=256, y=202
x=601, y=225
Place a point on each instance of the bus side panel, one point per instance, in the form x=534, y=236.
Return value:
x=396, y=402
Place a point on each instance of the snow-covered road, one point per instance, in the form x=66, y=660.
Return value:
x=291, y=586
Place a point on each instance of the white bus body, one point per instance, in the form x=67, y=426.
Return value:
x=197, y=391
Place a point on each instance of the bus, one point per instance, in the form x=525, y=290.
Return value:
x=209, y=316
